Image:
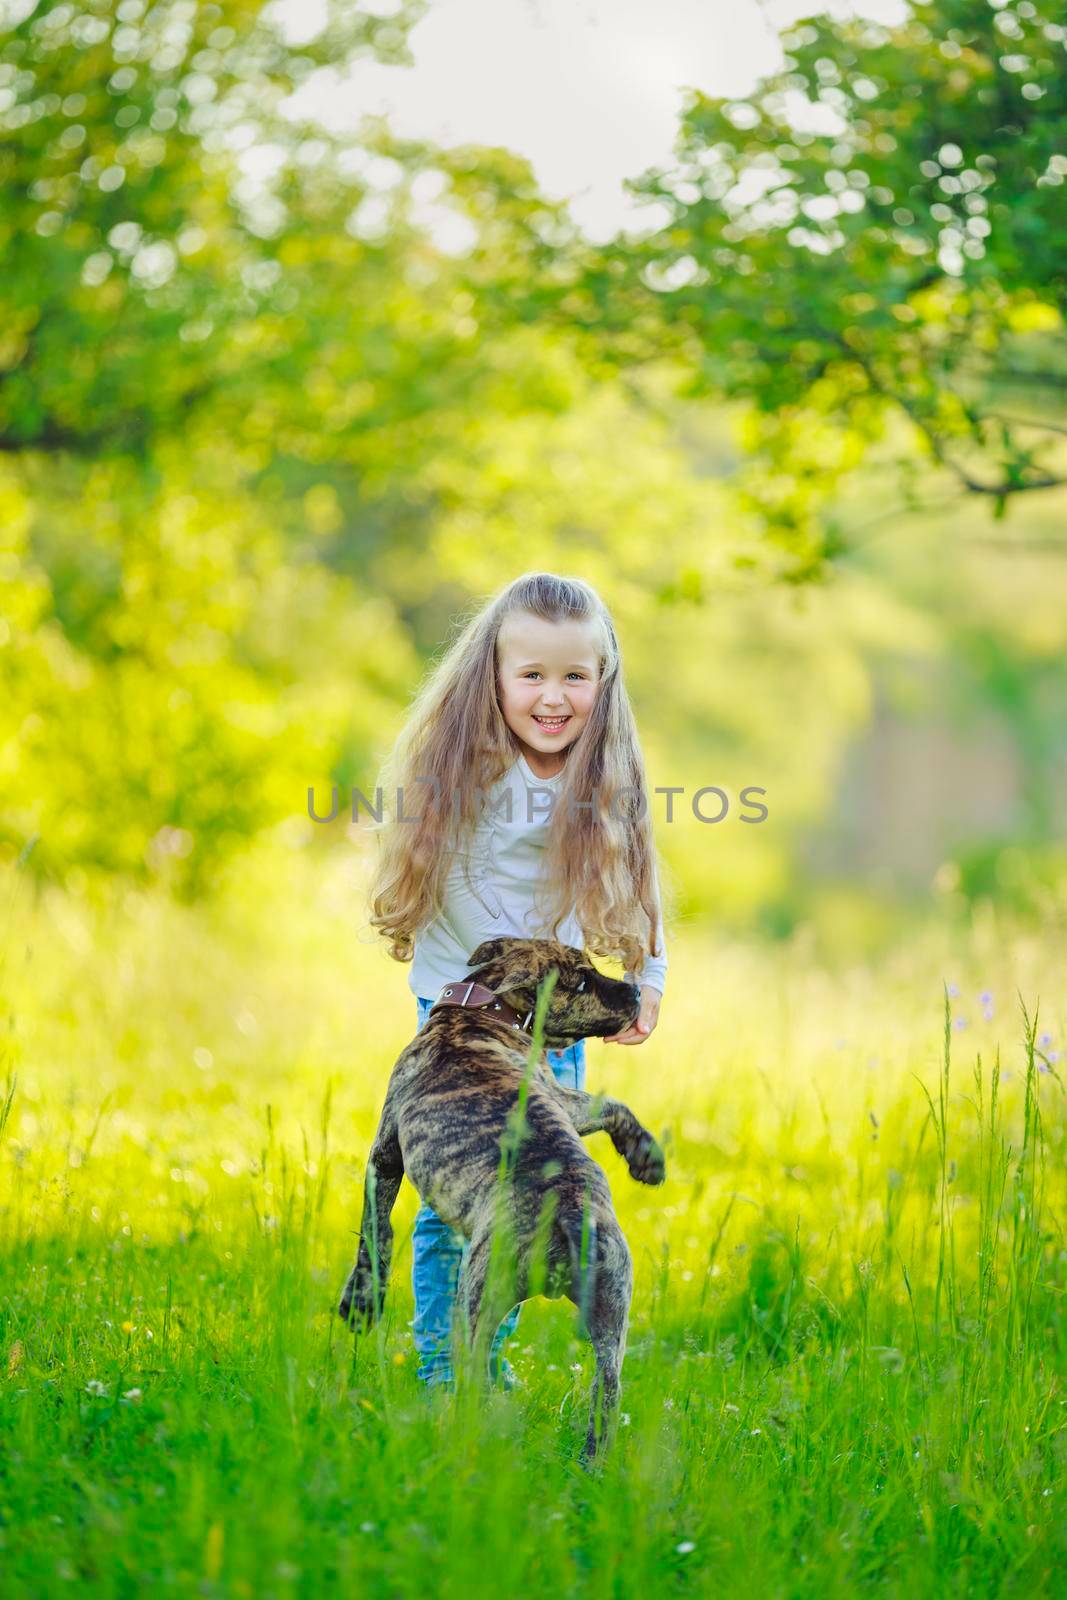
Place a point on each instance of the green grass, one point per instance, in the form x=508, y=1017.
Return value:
x=847, y=1348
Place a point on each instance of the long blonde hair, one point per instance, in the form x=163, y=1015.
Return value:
x=600, y=860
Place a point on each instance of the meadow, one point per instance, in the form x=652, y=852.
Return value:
x=847, y=1349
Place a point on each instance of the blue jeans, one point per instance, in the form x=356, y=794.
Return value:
x=438, y=1255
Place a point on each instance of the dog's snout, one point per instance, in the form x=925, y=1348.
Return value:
x=622, y=990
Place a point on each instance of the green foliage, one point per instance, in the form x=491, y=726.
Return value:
x=171, y=683
x=878, y=232
x=140, y=280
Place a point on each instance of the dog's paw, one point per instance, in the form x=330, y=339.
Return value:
x=357, y=1307
x=344, y=1308
x=356, y=1314
x=646, y=1160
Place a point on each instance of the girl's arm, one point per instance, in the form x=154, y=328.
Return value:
x=650, y=982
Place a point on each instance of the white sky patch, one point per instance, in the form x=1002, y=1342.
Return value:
x=589, y=91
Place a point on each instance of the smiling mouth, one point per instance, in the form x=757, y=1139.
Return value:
x=551, y=724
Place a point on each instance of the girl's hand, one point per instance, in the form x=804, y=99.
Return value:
x=645, y=1024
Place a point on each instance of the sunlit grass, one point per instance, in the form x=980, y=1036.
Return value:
x=847, y=1345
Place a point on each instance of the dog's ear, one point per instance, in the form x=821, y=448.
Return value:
x=517, y=967
x=488, y=950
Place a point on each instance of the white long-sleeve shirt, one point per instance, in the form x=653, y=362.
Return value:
x=505, y=855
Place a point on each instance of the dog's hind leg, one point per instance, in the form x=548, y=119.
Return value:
x=487, y=1291
x=364, y=1293
x=602, y=1290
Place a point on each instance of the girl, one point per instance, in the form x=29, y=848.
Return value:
x=521, y=809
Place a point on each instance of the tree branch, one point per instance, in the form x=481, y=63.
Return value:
x=1022, y=546
x=999, y=491
x=1025, y=422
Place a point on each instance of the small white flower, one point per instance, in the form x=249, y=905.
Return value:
x=733, y=1410
x=366, y=1527
x=686, y=1547
x=94, y=1386
x=668, y=1404
x=757, y=1430
x=131, y=1395
x=624, y=1419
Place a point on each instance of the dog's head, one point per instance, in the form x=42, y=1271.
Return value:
x=583, y=1002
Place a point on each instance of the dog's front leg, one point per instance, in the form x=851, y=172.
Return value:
x=364, y=1294
x=593, y=1113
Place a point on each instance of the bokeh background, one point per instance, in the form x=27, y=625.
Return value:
x=319, y=322
x=284, y=392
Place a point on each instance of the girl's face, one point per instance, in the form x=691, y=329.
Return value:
x=548, y=676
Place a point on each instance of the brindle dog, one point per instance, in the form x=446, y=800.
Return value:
x=446, y=1111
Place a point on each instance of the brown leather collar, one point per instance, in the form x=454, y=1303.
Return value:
x=466, y=992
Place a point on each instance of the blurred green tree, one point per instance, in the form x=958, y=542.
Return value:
x=870, y=252
x=142, y=245
x=199, y=327
x=234, y=347
x=276, y=398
